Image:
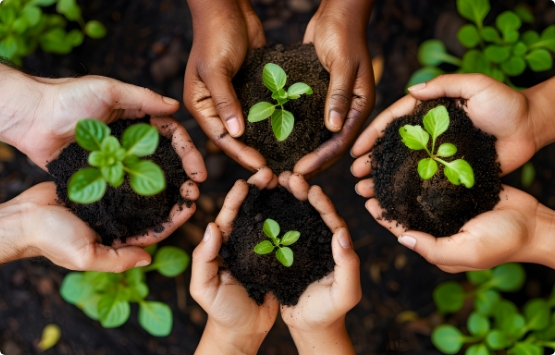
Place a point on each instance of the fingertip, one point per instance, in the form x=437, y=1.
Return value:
x=335, y=121
x=235, y=126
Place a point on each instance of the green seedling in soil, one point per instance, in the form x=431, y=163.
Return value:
x=495, y=325
x=110, y=160
x=498, y=50
x=274, y=79
x=24, y=26
x=436, y=122
x=284, y=254
x=106, y=297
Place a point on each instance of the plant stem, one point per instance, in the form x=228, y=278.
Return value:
x=447, y=58
x=549, y=344
x=441, y=161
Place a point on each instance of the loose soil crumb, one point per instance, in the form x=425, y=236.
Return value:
x=435, y=206
x=122, y=213
x=301, y=64
x=260, y=274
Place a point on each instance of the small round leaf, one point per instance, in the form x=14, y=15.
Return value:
x=490, y=34
x=479, y=277
x=468, y=35
x=285, y=256
x=548, y=38
x=273, y=77
x=497, y=54
x=524, y=13
x=156, y=318
x=477, y=349
x=496, y=340
x=113, y=312
x=296, y=90
x=508, y=277
x=95, y=29
x=113, y=174
x=261, y=111
x=524, y=348
x=447, y=339
x=90, y=133
x=75, y=288
x=86, y=186
x=75, y=37
x=528, y=174
x=459, y=172
x=449, y=297
x=69, y=9
x=436, y=121
x=478, y=324
x=485, y=302
x=140, y=139
x=514, y=66
x=271, y=228
x=537, y=313
x=146, y=178
x=519, y=49
x=530, y=37
x=32, y=14
x=424, y=74
x=508, y=21
x=264, y=247
x=473, y=10
x=282, y=124
x=171, y=261
x=414, y=137
x=290, y=238
x=446, y=150
x=475, y=61
x=432, y=53
x=427, y=168
x=539, y=60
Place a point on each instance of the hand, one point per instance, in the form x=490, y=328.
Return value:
x=223, y=32
x=317, y=322
x=236, y=324
x=338, y=31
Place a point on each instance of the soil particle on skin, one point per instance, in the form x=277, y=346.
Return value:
x=301, y=64
x=435, y=206
x=260, y=274
x=122, y=213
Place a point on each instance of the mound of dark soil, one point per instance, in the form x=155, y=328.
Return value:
x=262, y=273
x=435, y=206
x=122, y=213
x=301, y=65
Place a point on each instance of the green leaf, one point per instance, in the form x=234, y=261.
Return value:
x=449, y=297
x=433, y=52
x=43, y=3
x=290, y=238
x=264, y=247
x=90, y=133
x=113, y=312
x=414, y=137
x=273, y=77
x=51, y=334
x=113, y=174
x=468, y=35
x=32, y=14
x=285, y=256
x=537, y=313
x=522, y=348
x=547, y=39
x=75, y=288
x=497, y=74
x=528, y=174
x=75, y=37
x=503, y=310
x=103, y=281
x=146, y=178
x=7, y=15
x=514, y=66
x=490, y=34
x=459, y=172
x=545, y=334
x=152, y=249
x=97, y=159
x=69, y=9
x=296, y=90
x=89, y=306
x=280, y=96
x=86, y=186
x=485, y=302
x=477, y=349
x=530, y=37
x=511, y=36
x=477, y=324
x=446, y=150
x=475, y=61
x=423, y=75
x=171, y=261
x=479, y=277
x=138, y=292
x=261, y=111
x=8, y=47
x=109, y=146
x=473, y=10
x=508, y=277
x=134, y=276
x=54, y=41
x=496, y=340
x=519, y=49
x=524, y=13
x=508, y=21
x=271, y=228
x=539, y=60
x=497, y=54
x=95, y=29
x=282, y=124
x=156, y=318
x=19, y=26
x=513, y=325
x=436, y=121
x=427, y=168
x=447, y=339
x=140, y=139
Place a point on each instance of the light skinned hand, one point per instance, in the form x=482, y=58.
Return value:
x=236, y=324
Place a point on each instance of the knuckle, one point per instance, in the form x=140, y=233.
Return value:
x=340, y=96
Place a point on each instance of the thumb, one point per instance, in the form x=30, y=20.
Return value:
x=106, y=259
x=340, y=94
x=205, y=268
x=347, y=268
x=462, y=86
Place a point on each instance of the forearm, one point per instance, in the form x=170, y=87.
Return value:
x=333, y=340
x=217, y=341
x=344, y=10
x=541, y=113
x=13, y=238
x=543, y=243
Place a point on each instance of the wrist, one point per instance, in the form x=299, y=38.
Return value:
x=14, y=241
x=218, y=340
x=543, y=237
x=332, y=339
x=541, y=120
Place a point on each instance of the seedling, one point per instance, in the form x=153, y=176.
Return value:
x=436, y=123
x=111, y=160
x=274, y=79
x=283, y=254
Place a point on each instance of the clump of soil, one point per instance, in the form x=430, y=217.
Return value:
x=301, y=64
x=259, y=274
x=435, y=206
x=122, y=213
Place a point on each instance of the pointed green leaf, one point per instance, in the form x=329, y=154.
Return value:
x=138, y=292
x=497, y=54
x=414, y=137
x=69, y=9
x=433, y=52
x=547, y=39
x=508, y=277
x=508, y=21
x=140, y=139
x=86, y=186
x=75, y=288
x=473, y=10
x=514, y=66
x=459, y=172
x=449, y=297
x=89, y=306
x=282, y=124
x=479, y=277
x=75, y=37
x=90, y=133
x=502, y=311
x=539, y=60
x=447, y=339
x=524, y=13
x=264, y=247
x=290, y=238
x=436, y=121
x=113, y=311
x=513, y=325
x=446, y=150
x=171, y=261
x=285, y=256
x=156, y=318
x=519, y=49
x=146, y=178
x=261, y=111
x=478, y=324
x=477, y=349
x=32, y=14
x=468, y=35
x=273, y=77
x=490, y=34
x=427, y=168
x=113, y=174
x=496, y=340
x=296, y=90
x=522, y=348
x=95, y=29
x=485, y=302
x=530, y=37
x=537, y=313
x=271, y=228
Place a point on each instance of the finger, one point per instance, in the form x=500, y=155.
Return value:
x=273, y=183
x=98, y=257
x=346, y=286
x=284, y=179
x=262, y=178
x=192, y=161
x=232, y=204
x=376, y=211
x=340, y=94
x=204, y=275
x=365, y=188
x=189, y=191
x=462, y=86
x=299, y=187
x=362, y=166
x=325, y=207
x=375, y=130
x=456, y=269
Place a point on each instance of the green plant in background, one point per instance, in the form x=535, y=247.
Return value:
x=495, y=324
x=284, y=254
x=498, y=51
x=111, y=160
x=23, y=26
x=528, y=174
x=274, y=79
x=436, y=122
x=106, y=296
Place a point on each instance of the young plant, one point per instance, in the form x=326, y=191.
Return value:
x=283, y=254
x=274, y=79
x=111, y=160
x=436, y=121
x=24, y=26
x=495, y=325
x=498, y=51
x=106, y=297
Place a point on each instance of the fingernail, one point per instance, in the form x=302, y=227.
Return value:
x=356, y=189
x=351, y=153
x=142, y=263
x=207, y=233
x=417, y=87
x=169, y=100
x=336, y=120
x=232, y=125
x=344, y=239
x=407, y=241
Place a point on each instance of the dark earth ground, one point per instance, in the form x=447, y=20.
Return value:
x=148, y=45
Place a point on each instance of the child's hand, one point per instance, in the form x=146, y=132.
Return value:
x=236, y=324
x=317, y=322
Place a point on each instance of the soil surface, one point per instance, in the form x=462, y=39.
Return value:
x=260, y=274
x=122, y=213
x=435, y=206
x=301, y=64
